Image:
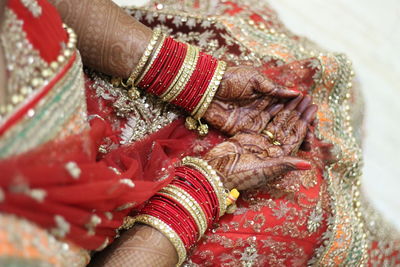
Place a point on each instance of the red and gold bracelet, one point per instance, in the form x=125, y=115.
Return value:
x=133, y=92
x=208, y=194
x=180, y=74
x=188, y=206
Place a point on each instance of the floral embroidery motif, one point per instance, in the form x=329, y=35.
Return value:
x=137, y=118
x=252, y=34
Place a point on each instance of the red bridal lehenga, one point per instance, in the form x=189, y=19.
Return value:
x=77, y=155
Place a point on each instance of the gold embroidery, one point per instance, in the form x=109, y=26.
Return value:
x=24, y=240
x=240, y=40
x=27, y=71
x=144, y=115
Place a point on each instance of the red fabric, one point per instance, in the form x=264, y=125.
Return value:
x=45, y=32
x=21, y=112
x=268, y=237
x=46, y=35
x=98, y=189
x=98, y=186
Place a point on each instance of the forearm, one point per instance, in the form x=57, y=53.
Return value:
x=109, y=40
x=141, y=246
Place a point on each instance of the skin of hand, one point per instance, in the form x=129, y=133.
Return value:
x=244, y=100
x=250, y=159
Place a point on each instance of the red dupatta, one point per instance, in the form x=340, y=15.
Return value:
x=65, y=186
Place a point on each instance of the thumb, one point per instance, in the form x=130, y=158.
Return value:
x=270, y=88
x=283, y=165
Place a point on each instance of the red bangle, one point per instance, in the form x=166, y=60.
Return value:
x=185, y=94
x=205, y=82
x=167, y=207
x=173, y=71
x=195, y=177
x=158, y=81
x=181, y=213
x=158, y=62
x=198, y=85
x=166, y=210
x=168, y=64
x=201, y=198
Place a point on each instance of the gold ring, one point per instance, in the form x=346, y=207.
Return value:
x=269, y=134
x=277, y=143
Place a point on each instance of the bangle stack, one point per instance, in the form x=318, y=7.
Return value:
x=188, y=206
x=179, y=74
x=133, y=92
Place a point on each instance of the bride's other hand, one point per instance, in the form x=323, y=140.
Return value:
x=251, y=159
x=244, y=101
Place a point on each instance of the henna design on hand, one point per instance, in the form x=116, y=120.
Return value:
x=244, y=101
x=141, y=246
x=109, y=39
x=290, y=125
x=250, y=159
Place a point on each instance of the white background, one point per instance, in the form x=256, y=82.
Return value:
x=369, y=32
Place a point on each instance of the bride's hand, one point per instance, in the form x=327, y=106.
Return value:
x=244, y=100
x=249, y=159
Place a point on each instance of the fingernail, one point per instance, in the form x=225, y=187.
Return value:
x=295, y=90
x=303, y=165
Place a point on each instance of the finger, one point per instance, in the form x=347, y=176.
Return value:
x=283, y=92
x=261, y=104
x=270, y=88
x=291, y=105
x=306, y=145
x=309, y=114
x=275, y=126
x=274, y=109
x=265, y=116
x=290, y=122
x=278, y=125
x=279, y=166
x=255, y=118
x=295, y=114
x=307, y=100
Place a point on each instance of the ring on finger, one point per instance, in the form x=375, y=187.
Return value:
x=269, y=134
x=277, y=143
x=271, y=137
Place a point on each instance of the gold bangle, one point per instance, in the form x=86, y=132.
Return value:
x=190, y=205
x=143, y=60
x=212, y=88
x=157, y=51
x=186, y=61
x=211, y=175
x=167, y=231
x=180, y=81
